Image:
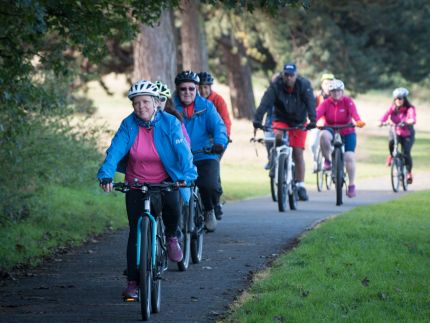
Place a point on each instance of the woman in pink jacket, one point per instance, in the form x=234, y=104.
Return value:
x=339, y=110
x=402, y=114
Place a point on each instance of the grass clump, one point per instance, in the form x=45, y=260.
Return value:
x=369, y=265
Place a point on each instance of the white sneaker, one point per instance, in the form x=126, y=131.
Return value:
x=210, y=221
x=315, y=167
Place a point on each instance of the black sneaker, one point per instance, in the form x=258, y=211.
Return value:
x=303, y=195
x=218, y=212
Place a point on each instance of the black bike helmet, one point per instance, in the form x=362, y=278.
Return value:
x=187, y=76
x=206, y=78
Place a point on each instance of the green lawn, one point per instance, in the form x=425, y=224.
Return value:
x=368, y=265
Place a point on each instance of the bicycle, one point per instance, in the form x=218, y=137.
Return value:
x=398, y=170
x=151, y=258
x=282, y=171
x=338, y=173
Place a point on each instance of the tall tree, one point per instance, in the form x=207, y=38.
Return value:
x=193, y=44
x=155, y=51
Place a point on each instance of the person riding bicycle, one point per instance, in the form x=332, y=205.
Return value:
x=314, y=134
x=403, y=114
x=293, y=100
x=149, y=146
x=340, y=110
x=207, y=131
x=206, y=91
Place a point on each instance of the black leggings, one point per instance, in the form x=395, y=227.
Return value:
x=208, y=182
x=165, y=202
x=406, y=143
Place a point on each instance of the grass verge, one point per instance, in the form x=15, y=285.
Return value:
x=65, y=217
x=368, y=265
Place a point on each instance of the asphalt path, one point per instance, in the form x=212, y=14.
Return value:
x=85, y=284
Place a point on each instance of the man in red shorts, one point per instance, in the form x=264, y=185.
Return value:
x=292, y=97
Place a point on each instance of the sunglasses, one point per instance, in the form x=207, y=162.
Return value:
x=184, y=89
x=400, y=98
x=163, y=99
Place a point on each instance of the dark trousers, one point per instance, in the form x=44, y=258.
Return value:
x=208, y=182
x=165, y=202
x=406, y=143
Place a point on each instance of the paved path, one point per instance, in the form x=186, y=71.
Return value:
x=85, y=285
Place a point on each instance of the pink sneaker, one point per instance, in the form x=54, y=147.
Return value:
x=131, y=290
x=174, y=249
x=327, y=164
x=351, y=191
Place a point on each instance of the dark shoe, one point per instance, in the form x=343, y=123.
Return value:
x=174, y=251
x=218, y=212
x=131, y=290
x=409, y=178
x=351, y=191
x=303, y=195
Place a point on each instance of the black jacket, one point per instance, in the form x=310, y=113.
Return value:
x=292, y=108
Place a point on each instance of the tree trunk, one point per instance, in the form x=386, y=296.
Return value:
x=193, y=42
x=155, y=52
x=239, y=77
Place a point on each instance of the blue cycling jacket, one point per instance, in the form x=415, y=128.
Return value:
x=205, y=127
x=169, y=140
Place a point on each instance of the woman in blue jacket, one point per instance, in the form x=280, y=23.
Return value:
x=149, y=146
x=207, y=131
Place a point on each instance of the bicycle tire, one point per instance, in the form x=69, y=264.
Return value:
x=395, y=174
x=282, y=182
x=185, y=242
x=199, y=231
x=273, y=189
x=293, y=196
x=328, y=181
x=145, y=269
x=338, y=168
x=320, y=173
x=160, y=261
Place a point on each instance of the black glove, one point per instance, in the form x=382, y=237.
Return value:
x=311, y=125
x=257, y=125
x=217, y=149
x=105, y=181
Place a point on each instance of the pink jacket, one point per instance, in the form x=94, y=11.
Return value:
x=337, y=113
x=404, y=114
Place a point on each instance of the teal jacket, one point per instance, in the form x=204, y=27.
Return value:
x=169, y=141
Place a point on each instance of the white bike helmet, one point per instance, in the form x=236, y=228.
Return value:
x=400, y=92
x=336, y=85
x=143, y=87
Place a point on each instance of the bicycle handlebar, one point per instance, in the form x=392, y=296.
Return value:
x=204, y=150
x=349, y=125
x=299, y=127
x=145, y=187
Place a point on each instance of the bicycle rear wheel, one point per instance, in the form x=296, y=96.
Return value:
x=186, y=236
x=273, y=189
x=338, y=163
x=395, y=174
x=161, y=265
x=145, y=269
x=282, y=182
x=199, y=231
x=319, y=171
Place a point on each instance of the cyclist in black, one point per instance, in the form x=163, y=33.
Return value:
x=293, y=100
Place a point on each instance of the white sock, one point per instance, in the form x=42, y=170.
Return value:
x=300, y=184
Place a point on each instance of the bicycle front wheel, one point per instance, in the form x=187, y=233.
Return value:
x=339, y=179
x=282, y=182
x=199, y=229
x=273, y=189
x=395, y=174
x=319, y=171
x=145, y=269
x=186, y=236
x=293, y=196
x=160, y=267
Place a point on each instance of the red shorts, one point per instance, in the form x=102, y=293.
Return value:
x=297, y=136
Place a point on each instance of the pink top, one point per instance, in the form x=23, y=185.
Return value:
x=338, y=112
x=403, y=114
x=143, y=161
